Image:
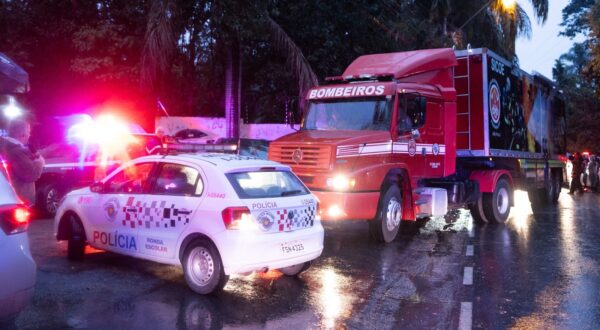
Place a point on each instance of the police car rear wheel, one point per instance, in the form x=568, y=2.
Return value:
x=203, y=268
x=76, y=242
x=295, y=269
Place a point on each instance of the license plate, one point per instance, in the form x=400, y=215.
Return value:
x=292, y=247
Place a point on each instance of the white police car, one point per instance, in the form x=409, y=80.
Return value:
x=213, y=214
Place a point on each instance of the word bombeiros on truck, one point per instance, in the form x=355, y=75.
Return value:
x=401, y=136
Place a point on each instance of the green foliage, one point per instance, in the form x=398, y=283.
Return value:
x=583, y=109
x=82, y=53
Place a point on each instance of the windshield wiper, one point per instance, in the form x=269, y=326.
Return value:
x=290, y=192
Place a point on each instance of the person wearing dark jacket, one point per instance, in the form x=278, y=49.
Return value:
x=24, y=167
x=576, y=172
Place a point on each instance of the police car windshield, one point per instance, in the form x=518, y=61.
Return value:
x=265, y=184
x=358, y=114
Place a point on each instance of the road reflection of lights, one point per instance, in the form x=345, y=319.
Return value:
x=330, y=297
x=521, y=213
x=567, y=232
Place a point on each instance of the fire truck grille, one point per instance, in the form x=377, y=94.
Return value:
x=312, y=156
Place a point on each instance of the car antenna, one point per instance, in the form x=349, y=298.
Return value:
x=161, y=107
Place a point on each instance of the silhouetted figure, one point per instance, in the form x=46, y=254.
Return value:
x=576, y=172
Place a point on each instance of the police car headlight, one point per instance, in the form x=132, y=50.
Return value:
x=340, y=182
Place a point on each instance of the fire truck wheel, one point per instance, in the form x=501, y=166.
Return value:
x=554, y=187
x=295, y=269
x=203, y=268
x=48, y=197
x=385, y=226
x=496, y=205
x=76, y=242
x=477, y=211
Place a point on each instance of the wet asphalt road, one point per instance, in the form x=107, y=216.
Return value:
x=412, y=283
x=542, y=270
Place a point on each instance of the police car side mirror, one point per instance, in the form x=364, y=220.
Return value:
x=97, y=187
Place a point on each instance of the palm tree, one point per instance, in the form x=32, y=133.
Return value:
x=225, y=30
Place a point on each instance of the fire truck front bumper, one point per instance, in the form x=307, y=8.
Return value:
x=347, y=205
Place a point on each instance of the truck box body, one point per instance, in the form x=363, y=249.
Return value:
x=502, y=111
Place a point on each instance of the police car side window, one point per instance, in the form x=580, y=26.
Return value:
x=175, y=179
x=132, y=179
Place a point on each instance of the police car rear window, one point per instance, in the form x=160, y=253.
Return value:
x=266, y=184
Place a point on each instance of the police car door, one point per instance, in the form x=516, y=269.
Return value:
x=115, y=214
x=175, y=195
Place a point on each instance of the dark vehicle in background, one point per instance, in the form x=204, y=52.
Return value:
x=69, y=167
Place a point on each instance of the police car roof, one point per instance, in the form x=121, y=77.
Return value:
x=226, y=162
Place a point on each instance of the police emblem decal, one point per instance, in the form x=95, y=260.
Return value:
x=266, y=220
x=110, y=209
x=297, y=155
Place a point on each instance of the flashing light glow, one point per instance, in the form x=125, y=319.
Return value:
x=108, y=132
x=12, y=111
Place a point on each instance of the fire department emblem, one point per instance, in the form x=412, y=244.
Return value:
x=435, y=149
x=297, y=155
x=110, y=209
x=266, y=220
x=494, y=95
x=412, y=147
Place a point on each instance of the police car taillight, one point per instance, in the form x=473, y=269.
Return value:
x=14, y=219
x=235, y=217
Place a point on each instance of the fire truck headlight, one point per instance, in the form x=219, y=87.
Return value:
x=340, y=182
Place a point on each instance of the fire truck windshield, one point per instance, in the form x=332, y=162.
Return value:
x=372, y=114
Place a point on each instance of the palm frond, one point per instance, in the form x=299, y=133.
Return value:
x=295, y=58
x=159, y=42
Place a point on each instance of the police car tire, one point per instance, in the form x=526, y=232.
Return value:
x=76, y=242
x=378, y=227
x=295, y=270
x=217, y=280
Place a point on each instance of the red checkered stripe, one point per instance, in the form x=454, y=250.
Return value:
x=303, y=217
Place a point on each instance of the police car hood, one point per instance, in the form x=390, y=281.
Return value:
x=337, y=137
x=80, y=191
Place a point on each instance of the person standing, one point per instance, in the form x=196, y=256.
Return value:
x=24, y=166
x=593, y=173
x=576, y=171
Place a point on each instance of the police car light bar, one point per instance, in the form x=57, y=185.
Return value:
x=190, y=147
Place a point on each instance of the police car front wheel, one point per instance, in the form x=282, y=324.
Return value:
x=76, y=242
x=203, y=268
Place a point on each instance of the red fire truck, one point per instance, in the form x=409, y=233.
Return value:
x=402, y=136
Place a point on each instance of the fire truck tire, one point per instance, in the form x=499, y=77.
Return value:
x=385, y=226
x=295, y=270
x=203, y=268
x=76, y=241
x=496, y=205
x=555, y=187
x=477, y=211
x=47, y=199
